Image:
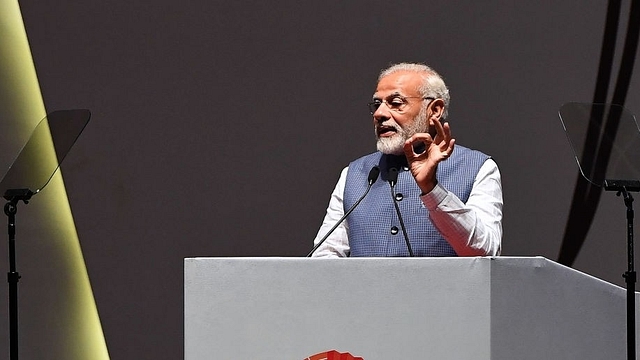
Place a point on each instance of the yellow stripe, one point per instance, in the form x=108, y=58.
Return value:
x=58, y=315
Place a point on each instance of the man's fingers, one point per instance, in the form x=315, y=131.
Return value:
x=447, y=152
x=417, y=144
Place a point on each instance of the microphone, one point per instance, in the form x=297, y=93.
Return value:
x=373, y=176
x=393, y=179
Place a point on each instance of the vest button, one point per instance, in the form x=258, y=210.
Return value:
x=399, y=197
x=394, y=230
x=405, y=168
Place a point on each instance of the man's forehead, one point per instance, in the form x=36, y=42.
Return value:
x=400, y=83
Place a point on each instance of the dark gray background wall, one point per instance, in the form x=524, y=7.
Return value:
x=220, y=128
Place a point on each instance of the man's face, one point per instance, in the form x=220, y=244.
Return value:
x=401, y=113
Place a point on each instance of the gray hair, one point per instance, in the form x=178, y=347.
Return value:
x=432, y=86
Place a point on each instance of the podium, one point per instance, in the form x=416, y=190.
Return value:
x=400, y=308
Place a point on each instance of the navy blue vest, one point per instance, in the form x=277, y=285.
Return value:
x=374, y=228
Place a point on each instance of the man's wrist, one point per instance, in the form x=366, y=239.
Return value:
x=433, y=198
x=426, y=189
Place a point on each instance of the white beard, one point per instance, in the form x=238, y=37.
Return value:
x=394, y=145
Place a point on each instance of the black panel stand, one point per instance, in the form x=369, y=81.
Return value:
x=624, y=188
x=10, y=209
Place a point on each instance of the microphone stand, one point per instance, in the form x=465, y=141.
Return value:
x=10, y=209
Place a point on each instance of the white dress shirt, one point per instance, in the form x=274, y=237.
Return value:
x=472, y=229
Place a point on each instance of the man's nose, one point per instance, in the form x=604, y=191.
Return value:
x=382, y=113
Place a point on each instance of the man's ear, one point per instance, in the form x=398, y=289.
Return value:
x=435, y=109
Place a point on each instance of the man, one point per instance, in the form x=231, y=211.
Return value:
x=449, y=197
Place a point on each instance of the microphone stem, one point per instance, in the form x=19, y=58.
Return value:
x=340, y=221
x=404, y=230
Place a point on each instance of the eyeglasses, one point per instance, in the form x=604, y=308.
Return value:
x=396, y=103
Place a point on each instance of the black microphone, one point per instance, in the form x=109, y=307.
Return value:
x=373, y=176
x=393, y=179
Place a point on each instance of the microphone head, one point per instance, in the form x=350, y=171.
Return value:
x=393, y=176
x=373, y=175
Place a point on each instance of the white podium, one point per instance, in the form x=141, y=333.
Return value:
x=503, y=308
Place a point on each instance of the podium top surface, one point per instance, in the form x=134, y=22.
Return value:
x=523, y=262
